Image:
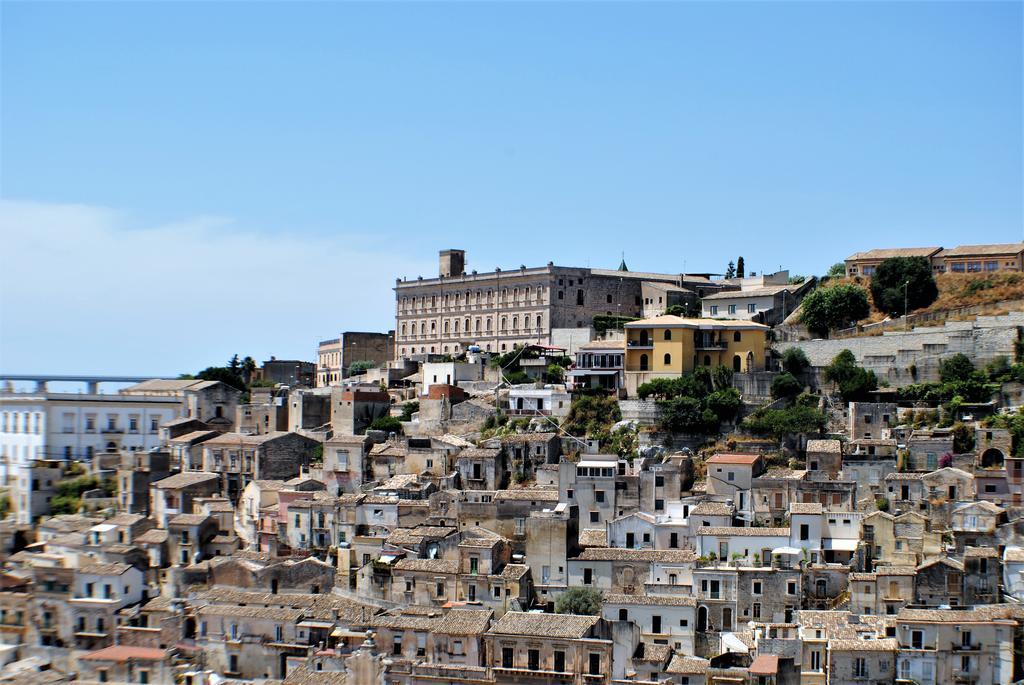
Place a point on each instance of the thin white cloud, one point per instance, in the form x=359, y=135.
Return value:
x=85, y=289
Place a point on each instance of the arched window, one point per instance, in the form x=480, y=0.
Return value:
x=538, y=321
x=467, y=325
x=403, y=329
x=446, y=328
x=643, y=362
x=737, y=337
x=504, y=323
x=488, y=324
x=737, y=363
x=515, y=323
x=456, y=326
x=433, y=326
x=668, y=334
x=668, y=359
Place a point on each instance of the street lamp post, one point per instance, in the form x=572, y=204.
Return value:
x=906, y=321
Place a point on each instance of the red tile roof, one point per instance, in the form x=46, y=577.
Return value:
x=125, y=653
x=726, y=458
x=765, y=664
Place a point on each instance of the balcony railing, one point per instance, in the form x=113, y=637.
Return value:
x=528, y=412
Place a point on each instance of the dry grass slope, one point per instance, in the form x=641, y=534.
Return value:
x=959, y=290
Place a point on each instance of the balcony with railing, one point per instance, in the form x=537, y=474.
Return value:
x=710, y=344
x=528, y=411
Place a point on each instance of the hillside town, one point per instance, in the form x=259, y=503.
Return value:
x=547, y=475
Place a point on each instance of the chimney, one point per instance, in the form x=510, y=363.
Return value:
x=452, y=263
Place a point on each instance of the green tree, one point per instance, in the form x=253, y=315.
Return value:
x=897, y=278
x=837, y=270
x=794, y=361
x=234, y=364
x=5, y=506
x=786, y=385
x=741, y=268
x=730, y=271
x=721, y=377
x=224, y=374
x=248, y=367
x=388, y=424
x=676, y=310
x=725, y=403
x=797, y=279
x=592, y=415
x=963, y=438
x=956, y=368
x=579, y=600
x=792, y=420
x=605, y=322
x=687, y=415
x=623, y=441
x=408, y=409
x=882, y=504
x=64, y=504
x=854, y=382
x=554, y=373
x=360, y=367
x=836, y=306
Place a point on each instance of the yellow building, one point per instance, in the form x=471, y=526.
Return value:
x=668, y=346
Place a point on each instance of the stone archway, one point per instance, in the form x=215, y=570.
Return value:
x=992, y=459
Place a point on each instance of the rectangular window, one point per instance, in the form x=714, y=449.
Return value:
x=732, y=309
x=588, y=576
x=751, y=308
x=560, y=661
x=714, y=310
x=507, y=660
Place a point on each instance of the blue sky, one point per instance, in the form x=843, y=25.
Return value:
x=172, y=172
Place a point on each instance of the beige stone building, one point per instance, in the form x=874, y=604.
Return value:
x=498, y=310
x=335, y=356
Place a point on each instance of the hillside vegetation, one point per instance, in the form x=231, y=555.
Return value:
x=955, y=291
